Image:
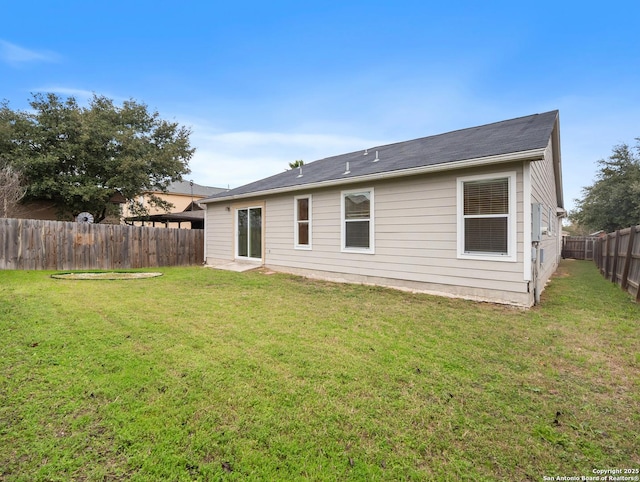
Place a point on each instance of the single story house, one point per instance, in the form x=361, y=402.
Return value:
x=192, y=214
x=184, y=195
x=474, y=213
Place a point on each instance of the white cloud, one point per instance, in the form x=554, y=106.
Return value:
x=79, y=94
x=256, y=140
x=231, y=159
x=589, y=129
x=15, y=55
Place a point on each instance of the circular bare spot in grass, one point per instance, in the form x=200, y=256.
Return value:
x=107, y=275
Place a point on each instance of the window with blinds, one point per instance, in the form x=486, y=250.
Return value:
x=302, y=230
x=486, y=206
x=486, y=216
x=357, y=221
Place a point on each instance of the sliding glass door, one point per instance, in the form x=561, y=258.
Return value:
x=249, y=233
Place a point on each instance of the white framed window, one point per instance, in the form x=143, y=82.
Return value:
x=302, y=229
x=487, y=217
x=357, y=213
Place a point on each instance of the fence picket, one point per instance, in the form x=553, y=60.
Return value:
x=624, y=282
x=629, y=278
x=578, y=247
x=616, y=251
x=57, y=245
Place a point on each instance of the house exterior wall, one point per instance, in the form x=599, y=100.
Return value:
x=45, y=210
x=415, y=239
x=179, y=201
x=219, y=233
x=543, y=191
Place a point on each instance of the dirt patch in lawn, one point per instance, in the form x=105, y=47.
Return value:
x=109, y=275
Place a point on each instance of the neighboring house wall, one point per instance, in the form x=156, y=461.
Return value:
x=45, y=210
x=416, y=245
x=179, y=201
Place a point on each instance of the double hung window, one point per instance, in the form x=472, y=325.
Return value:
x=358, y=221
x=302, y=228
x=486, y=217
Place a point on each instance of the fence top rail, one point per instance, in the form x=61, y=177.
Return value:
x=45, y=244
x=53, y=222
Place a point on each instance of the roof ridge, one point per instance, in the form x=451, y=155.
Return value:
x=438, y=135
x=495, y=140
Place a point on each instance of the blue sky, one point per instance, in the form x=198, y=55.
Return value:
x=262, y=84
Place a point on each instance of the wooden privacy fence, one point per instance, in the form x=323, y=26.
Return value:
x=56, y=245
x=617, y=255
x=578, y=247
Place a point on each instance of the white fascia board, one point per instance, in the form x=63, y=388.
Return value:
x=531, y=155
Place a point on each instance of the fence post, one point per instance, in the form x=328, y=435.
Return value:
x=616, y=248
x=637, y=280
x=586, y=248
x=627, y=260
x=36, y=244
x=606, y=257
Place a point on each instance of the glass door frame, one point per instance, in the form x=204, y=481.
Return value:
x=248, y=209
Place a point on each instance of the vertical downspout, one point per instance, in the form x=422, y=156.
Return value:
x=536, y=269
x=204, y=228
x=530, y=272
x=536, y=233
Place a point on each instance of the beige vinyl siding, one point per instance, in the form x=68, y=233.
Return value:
x=415, y=237
x=219, y=233
x=543, y=191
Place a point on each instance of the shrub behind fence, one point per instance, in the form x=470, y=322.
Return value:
x=617, y=256
x=56, y=245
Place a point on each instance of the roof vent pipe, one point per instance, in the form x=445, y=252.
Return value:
x=300, y=173
x=366, y=151
x=376, y=159
x=347, y=171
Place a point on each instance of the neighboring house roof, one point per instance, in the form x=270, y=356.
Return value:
x=524, y=138
x=184, y=187
x=171, y=217
x=193, y=212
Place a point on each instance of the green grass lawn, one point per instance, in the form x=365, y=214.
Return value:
x=210, y=375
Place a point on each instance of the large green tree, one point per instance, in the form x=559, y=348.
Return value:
x=80, y=157
x=613, y=201
x=12, y=190
x=296, y=163
x=12, y=186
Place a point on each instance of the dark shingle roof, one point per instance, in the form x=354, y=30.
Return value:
x=511, y=136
